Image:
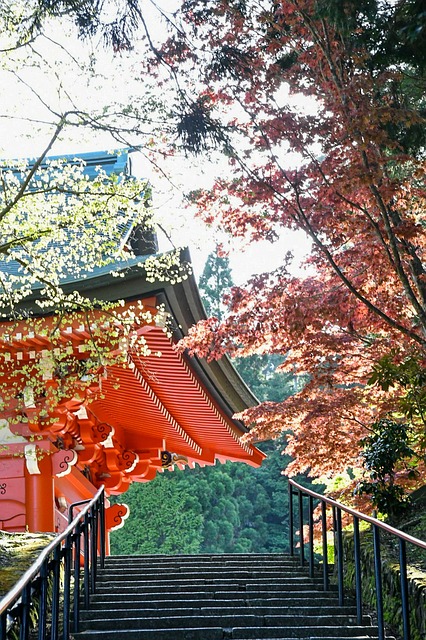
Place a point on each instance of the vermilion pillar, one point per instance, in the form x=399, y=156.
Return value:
x=39, y=490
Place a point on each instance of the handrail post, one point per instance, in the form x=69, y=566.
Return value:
x=291, y=519
x=357, y=561
x=76, y=591
x=67, y=587
x=86, y=560
x=301, y=543
x=3, y=626
x=42, y=610
x=56, y=563
x=339, y=554
x=404, y=589
x=311, y=536
x=102, y=533
x=378, y=577
x=93, y=549
x=326, y=583
x=25, y=613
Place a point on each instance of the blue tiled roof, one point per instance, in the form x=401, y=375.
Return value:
x=112, y=163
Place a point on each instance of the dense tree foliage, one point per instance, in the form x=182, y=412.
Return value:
x=386, y=449
x=164, y=518
x=229, y=508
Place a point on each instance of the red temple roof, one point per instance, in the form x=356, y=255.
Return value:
x=129, y=422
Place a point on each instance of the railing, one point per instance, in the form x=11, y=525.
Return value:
x=296, y=490
x=50, y=590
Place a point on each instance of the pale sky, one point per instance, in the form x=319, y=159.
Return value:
x=30, y=94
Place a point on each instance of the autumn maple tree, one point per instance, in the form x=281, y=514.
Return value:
x=318, y=106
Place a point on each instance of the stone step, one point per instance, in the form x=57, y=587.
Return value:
x=201, y=633
x=235, y=596
x=210, y=576
x=133, y=574
x=319, y=605
x=236, y=619
x=218, y=557
x=202, y=564
x=212, y=591
x=217, y=633
x=203, y=585
x=209, y=557
x=197, y=568
x=170, y=566
x=218, y=610
x=278, y=633
x=210, y=579
x=214, y=594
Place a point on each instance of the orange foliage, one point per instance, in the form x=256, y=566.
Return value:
x=356, y=189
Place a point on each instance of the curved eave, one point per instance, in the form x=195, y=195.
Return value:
x=159, y=399
x=183, y=302
x=219, y=381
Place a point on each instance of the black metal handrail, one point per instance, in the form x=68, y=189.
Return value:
x=296, y=489
x=55, y=576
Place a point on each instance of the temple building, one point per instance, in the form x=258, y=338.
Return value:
x=148, y=409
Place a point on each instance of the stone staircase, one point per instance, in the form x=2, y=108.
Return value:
x=214, y=597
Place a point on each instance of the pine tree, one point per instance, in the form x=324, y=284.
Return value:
x=259, y=372
x=164, y=517
x=214, y=283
